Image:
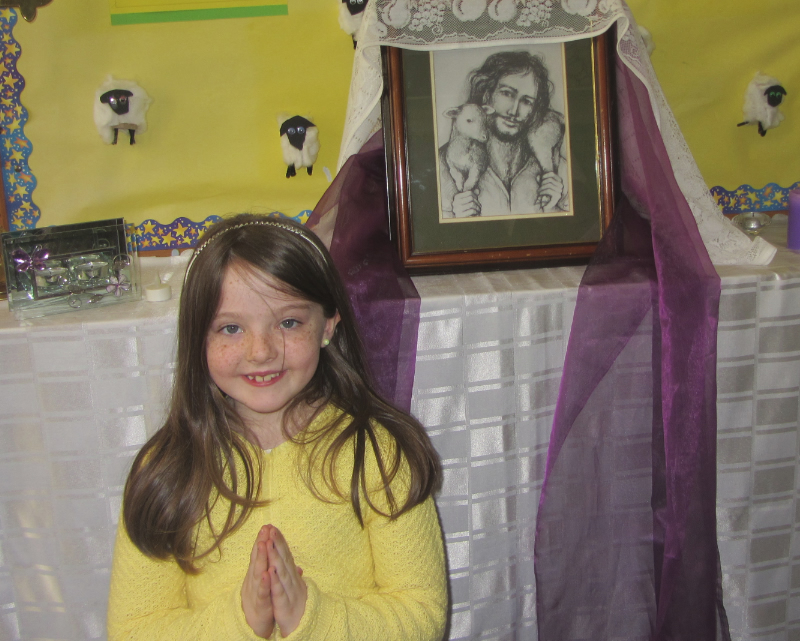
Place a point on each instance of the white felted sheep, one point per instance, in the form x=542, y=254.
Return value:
x=647, y=37
x=351, y=15
x=120, y=104
x=761, y=101
x=299, y=143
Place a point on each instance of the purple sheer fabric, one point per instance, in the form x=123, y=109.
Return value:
x=383, y=297
x=626, y=534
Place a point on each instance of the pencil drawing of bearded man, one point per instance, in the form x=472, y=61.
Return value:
x=525, y=170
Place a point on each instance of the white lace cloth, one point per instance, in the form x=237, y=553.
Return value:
x=453, y=24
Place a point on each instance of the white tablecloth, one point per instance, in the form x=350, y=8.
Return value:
x=80, y=392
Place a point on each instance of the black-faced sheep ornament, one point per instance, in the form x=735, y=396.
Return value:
x=299, y=143
x=120, y=104
x=351, y=14
x=761, y=100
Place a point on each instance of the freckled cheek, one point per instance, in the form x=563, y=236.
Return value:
x=221, y=356
x=304, y=346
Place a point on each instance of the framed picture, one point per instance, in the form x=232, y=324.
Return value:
x=498, y=156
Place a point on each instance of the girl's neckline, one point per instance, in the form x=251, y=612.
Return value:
x=274, y=448
x=323, y=414
x=312, y=415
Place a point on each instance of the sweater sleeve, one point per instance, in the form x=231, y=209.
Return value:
x=148, y=602
x=409, y=600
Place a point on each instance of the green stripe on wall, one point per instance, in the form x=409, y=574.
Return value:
x=199, y=14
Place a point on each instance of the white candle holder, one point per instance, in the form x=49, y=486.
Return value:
x=94, y=272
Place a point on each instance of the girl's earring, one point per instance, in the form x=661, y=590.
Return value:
x=326, y=342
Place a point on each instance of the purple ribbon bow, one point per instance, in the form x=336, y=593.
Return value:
x=33, y=261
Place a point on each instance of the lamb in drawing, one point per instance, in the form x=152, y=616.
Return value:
x=545, y=142
x=466, y=154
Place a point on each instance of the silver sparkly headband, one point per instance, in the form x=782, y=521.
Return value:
x=270, y=222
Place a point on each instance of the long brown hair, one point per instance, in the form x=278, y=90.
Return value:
x=190, y=462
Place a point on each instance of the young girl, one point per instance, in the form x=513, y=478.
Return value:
x=277, y=455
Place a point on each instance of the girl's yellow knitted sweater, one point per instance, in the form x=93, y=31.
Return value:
x=385, y=581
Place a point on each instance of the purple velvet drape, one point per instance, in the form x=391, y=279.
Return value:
x=626, y=534
x=384, y=299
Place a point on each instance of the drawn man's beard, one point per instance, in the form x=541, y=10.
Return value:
x=505, y=136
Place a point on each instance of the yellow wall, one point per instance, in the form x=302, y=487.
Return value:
x=212, y=146
x=706, y=53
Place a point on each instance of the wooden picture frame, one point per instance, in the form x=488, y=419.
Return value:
x=508, y=227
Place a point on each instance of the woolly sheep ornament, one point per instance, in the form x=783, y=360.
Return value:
x=120, y=104
x=761, y=100
x=351, y=14
x=299, y=143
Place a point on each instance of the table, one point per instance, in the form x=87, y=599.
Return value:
x=79, y=392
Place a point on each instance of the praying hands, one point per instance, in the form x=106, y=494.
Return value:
x=273, y=590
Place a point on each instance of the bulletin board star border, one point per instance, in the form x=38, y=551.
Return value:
x=15, y=148
x=183, y=233
x=771, y=197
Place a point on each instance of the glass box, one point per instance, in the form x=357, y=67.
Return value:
x=66, y=267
